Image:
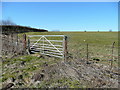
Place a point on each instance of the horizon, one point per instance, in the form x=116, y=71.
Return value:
x=63, y=16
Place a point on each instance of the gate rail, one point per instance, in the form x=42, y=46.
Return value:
x=46, y=46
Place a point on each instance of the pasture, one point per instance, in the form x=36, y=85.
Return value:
x=99, y=44
x=52, y=72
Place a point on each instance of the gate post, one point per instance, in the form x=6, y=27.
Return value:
x=24, y=43
x=28, y=46
x=65, y=48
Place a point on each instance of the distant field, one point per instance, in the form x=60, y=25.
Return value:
x=100, y=43
x=100, y=38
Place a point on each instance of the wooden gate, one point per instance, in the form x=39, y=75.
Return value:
x=50, y=45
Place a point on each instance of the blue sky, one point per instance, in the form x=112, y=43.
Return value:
x=63, y=16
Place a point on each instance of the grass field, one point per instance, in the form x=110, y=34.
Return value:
x=98, y=38
x=99, y=47
x=99, y=44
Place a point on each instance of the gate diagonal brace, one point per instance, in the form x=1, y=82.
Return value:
x=53, y=45
x=60, y=51
x=37, y=41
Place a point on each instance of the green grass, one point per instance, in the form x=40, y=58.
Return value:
x=32, y=64
x=100, y=38
x=99, y=43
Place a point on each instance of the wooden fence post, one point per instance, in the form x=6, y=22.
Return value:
x=24, y=42
x=17, y=42
x=8, y=44
x=12, y=47
x=65, y=48
x=112, y=55
x=28, y=46
x=87, y=52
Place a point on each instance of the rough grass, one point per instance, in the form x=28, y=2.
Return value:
x=32, y=64
x=100, y=44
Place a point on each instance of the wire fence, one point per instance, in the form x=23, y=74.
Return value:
x=94, y=52
x=12, y=44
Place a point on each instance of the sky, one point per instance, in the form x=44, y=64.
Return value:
x=60, y=0
x=63, y=16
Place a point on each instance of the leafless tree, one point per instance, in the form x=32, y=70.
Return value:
x=7, y=22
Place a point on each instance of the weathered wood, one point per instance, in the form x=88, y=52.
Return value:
x=112, y=54
x=87, y=52
x=24, y=41
x=28, y=46
x=65, y=48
